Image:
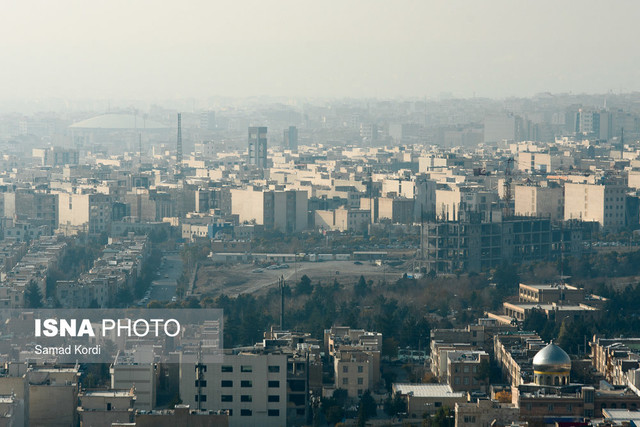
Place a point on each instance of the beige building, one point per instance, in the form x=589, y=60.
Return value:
x=251, y=387
x=342, y=219
x=464, y=370
x=135, y=369
x=602, y=203
x=543, y=162
x=397, y=209
x=550, y=293
x=90, y=213
x=356, y=358
x=52, y=396
x=276, y=210
x=539, y=201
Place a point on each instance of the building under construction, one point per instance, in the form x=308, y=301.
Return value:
x=473, y=244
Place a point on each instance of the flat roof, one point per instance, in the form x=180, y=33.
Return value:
x=427, y=390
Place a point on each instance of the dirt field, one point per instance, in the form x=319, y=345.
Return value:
x=241, y=278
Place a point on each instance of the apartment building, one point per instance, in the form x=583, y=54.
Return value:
x=276, y=210
x=464, y=370
x=533, y=200
x=603, y=202
x=251, y=387
x=91, y=213
x=343, y=219
x=356, y=358
x=135, y=369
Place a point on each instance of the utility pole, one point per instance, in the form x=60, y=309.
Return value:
x=281, y=287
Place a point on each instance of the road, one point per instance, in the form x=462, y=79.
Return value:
x=164, y=287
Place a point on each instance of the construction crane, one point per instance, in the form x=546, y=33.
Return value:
x=507, y=188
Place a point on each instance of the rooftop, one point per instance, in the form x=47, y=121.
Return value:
x=427, y=390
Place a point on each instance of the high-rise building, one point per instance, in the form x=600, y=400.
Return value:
x=291, y=138
x=208, y=120
x=258, y=146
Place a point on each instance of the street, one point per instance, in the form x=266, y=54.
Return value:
x=164, y=287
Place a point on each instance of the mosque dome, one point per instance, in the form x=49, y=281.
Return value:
x=551, y=366
x=552, y=359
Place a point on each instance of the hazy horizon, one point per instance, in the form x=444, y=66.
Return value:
x=150, y=50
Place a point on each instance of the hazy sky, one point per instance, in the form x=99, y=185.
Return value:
x=152, y=49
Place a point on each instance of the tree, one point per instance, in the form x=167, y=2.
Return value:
x=394, y=405
x=506, y=278
x=304, y=286
x=32, y=295
x=361, y=289
x=367, y=405
x=443, y=418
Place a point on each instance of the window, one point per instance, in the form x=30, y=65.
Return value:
x=245, y=412
x=226, y=383
x=550, y=407
x=226, y=398
x=345, y=369
x=359, y=392
x=360, y=381
x=345, y=381
x=246, y=368
x=456, y=380
x=246, y=383
x=273, y=412
x=273, y=398
x=246, y=398
x=201, y=383
x=360, y=369
x=202, y=398
x=466, y=380
x=466, y=369
x=226, y=368
x=274, y=369
x=274, y=384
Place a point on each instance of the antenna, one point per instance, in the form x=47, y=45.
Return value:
x=507, y=187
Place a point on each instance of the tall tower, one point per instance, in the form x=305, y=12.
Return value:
x=291, y=138
x=179, y=147
x=258, y=146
